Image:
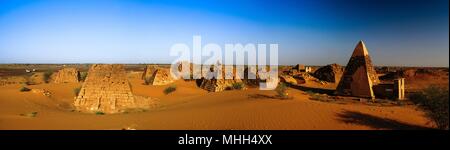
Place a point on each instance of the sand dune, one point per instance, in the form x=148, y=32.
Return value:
x=190, y=107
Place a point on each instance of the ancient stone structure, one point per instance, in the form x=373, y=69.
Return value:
x=308, y=69
x=66, y=75
x=288, y=79
x=302, y=68
x=329, y=73
x=359, y=75
x=399, y=88
x=37, y=78
x=12, y=80
x=148, y=71
x=160, y=77
x=192, y=72
x=299, y=67
x=217, y=85
x=391, y=90
x=106, y=89
x=220, y=84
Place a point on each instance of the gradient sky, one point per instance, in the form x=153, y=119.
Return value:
x=319, y=32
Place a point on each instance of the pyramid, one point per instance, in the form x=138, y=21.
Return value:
x=148, y=71
x=66, y=75
x=330, y=73
x=359, y=75
x=220, y=84
x=161, y=77
x=106, y=89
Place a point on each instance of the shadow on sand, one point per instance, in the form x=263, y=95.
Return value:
x=314, y=90
x=354, y=117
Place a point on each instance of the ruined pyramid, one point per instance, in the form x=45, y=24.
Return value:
x=66, y=75
x=107, y=90
x=148, y=71
x=160, y=77
x=359, y=75
x=220, y=84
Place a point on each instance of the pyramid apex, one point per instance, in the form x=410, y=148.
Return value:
x=361, y=42
x=360, y=49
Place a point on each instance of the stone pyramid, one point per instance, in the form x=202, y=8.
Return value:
x=161, y=77
x=66, y=75
x=359, y=75
x=106, y=89
x=148, y=71
x=220, y=84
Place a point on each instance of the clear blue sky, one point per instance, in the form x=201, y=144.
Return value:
x=316, y=32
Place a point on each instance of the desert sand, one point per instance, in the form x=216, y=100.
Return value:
x=190, y=107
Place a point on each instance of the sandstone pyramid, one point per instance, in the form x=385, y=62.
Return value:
x=359, y=75
x=217, y=85
x=160, y=77
x=65, y=75
x=148, y=71
x=220, y=84
x=106, y=89
x=330, y=73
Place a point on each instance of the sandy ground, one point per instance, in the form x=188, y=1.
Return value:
x=190, y=107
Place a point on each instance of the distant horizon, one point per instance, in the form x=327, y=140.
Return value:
x=312, y=65
x=397, y=33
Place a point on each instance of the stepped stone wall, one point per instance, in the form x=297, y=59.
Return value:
x=106, y=89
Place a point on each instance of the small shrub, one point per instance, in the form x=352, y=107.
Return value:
x=99, y=113
x=434, y=101
x=238, y=86
x=24, y=89
x=170, y=89
x=282, y=90
x=76, y=91
x=83, y=76
x=32, y=114
x=47, y=76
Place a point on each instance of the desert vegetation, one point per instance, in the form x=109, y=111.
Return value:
x=24, y=89
x=282, y=90
x=170, y=89
x=434, y=101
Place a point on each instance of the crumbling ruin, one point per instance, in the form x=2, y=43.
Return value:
x=12, y=80
x=220, y=84
x=359, y=75
x=148, y=72
x=106, y=89
x=288, y=79
x=37, y=78
x=160, y=77
x=302, y=68
x=66, y=75
x=330, y=73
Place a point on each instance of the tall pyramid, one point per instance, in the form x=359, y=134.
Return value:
x=359, y=75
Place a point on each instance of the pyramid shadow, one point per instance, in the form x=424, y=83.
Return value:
x=359, y=118
x=314, y=90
